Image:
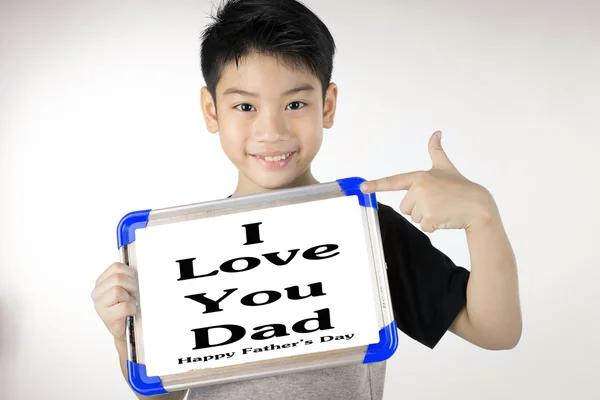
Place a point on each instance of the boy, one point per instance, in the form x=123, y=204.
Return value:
x=267, y=65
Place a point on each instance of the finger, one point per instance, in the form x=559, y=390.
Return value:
x=114, y=318
x=118, y=280
x=112, y=296
x=118, y=312
x=408, y=203
x=116, y=268
x=395, y=182
x=427, y=225
x=417, y=214
x=439, y=158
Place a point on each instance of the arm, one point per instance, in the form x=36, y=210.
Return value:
x=491, y=318
x=442, y=198
x=114, y=297
x=122, y=350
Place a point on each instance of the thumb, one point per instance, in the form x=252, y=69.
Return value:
x=438, y=156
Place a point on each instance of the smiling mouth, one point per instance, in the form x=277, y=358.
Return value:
x=274, y=158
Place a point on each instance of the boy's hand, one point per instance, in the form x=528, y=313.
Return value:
x=115, y=297
x=440, y=198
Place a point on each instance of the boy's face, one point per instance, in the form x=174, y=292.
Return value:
x=270, y=120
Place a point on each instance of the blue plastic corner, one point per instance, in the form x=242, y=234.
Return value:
x=388, y=343
x=128, y=224
x=142, y=383
x=351, y=187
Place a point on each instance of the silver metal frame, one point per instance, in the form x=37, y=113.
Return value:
x=283, y=365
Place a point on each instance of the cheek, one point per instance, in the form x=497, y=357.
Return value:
x=233, y=137
x=310, y=133
x=233, y=148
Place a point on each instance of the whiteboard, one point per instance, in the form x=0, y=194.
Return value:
x=255, y=285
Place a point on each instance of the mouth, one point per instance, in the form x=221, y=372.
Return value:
x=273, y=160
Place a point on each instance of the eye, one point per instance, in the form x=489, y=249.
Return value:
x=296, y=105
x=245, y=107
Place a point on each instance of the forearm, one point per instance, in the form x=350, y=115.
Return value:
x=122, y=350
x=493, y=304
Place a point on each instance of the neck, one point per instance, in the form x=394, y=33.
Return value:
x=246, y=187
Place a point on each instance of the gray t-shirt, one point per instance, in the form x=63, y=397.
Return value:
x=352, y=382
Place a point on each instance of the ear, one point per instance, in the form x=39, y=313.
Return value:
x=209, y=109
x=329, y=105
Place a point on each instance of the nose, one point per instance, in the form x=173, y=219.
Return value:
x=270, y=126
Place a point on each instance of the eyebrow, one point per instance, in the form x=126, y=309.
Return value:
x=295, y=90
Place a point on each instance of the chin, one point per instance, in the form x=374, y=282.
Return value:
x=274, y=184
x=274, y=181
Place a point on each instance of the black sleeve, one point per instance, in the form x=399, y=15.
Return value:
x=427, y=289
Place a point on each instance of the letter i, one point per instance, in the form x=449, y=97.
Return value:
x=252, y=233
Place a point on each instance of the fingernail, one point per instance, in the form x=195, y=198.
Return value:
x=364, y=186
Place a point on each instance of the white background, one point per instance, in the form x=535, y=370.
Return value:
x=99, y=115
x=168, y=317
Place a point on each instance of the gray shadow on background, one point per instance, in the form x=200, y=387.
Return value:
x=9, y=333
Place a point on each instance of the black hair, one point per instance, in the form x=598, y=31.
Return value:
x=285, y=29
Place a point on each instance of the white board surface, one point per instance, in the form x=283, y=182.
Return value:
x=323, y=243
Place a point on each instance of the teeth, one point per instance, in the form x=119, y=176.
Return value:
x=277, y=158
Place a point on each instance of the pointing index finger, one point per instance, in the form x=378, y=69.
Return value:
x=390, y=183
